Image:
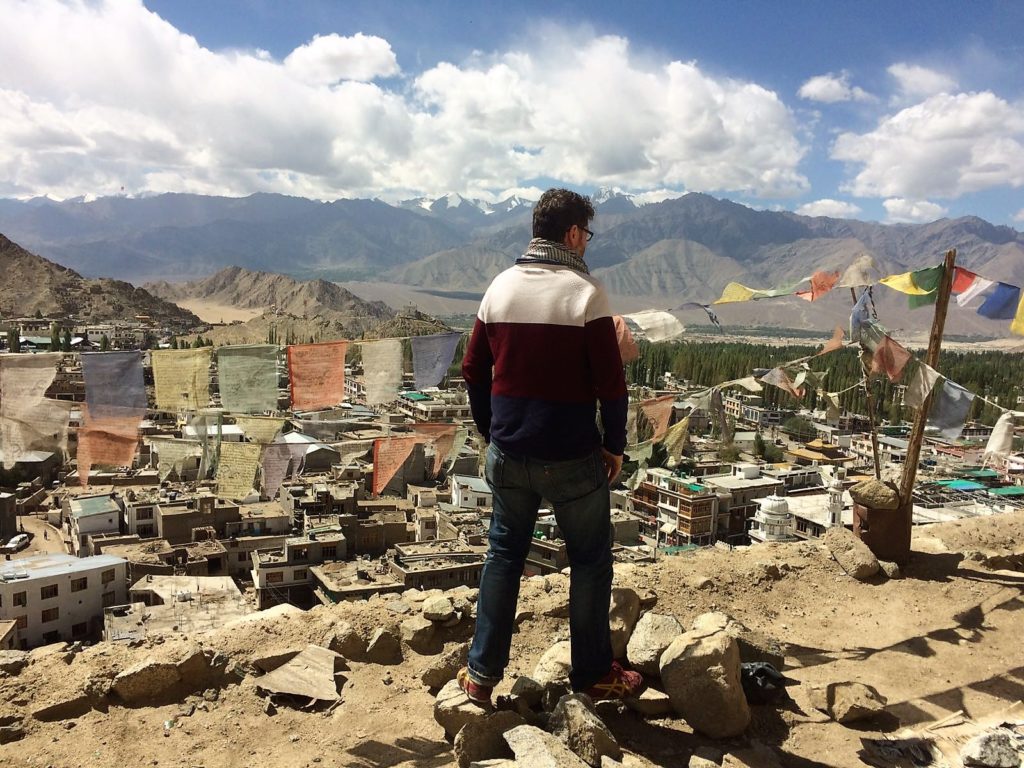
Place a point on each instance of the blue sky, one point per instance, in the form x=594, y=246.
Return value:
x=904, y=111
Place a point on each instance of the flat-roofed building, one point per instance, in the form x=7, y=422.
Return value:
x=87, y=515
x=353, y=580
x=282, y=575
x=737, y=495
x=53, y=597
x=440, y=564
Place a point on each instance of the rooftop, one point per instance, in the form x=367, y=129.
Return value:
x=51, y=564
x=86, y=506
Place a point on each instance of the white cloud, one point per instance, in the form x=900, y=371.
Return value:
x=946, y=146
x=1019, y=216
x=916, y=81
x=832, y=88
x=837, y=209
x=326, y=59
x=656, y=196
x=96, y=95
x=902, y=211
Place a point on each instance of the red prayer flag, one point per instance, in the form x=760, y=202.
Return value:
x=443, y=438
x=110, y=441
x=659, y=412
x=962, y=279
x=390, y=453
x=889, y=358
x=317, y=374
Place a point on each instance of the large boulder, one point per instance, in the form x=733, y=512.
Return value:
x=438, y=608
x=623, y=613
x=991, y=750
x=574, y=722
x=847, y=702
x=484, y=739
x=537, y=749
x=444, y=667
x=851, y=553
x=651, y=703
x=553, y=667
x=12, y=662
x=701, y=675
x=418, y=634
x=343, y=638
x=384, y=647
x=146, y=682
x=653, y=633
x=453, y=709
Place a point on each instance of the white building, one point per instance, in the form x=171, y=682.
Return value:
x=773, y=521
x=88, y=515
x=53, y=597
x=470, y=492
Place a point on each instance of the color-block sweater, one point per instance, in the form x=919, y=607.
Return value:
x=543, y=353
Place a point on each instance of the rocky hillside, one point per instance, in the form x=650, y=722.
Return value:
x=938, y=642
x=238, y=287
x=33, y=284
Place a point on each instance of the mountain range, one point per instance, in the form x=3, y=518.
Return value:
x=659, y=254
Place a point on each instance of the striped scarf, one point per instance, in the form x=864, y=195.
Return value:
x=541, y=251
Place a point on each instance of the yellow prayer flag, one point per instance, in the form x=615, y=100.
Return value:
x=1017, y=326
x=735, y=292
x=181, y=378
x=904, y=283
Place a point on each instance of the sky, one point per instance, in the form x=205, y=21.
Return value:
x=893, y=112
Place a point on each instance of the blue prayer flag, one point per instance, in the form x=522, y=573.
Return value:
x=431, y=356
x=1001, y=304
x=114, y=384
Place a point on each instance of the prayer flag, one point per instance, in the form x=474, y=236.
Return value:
x=28, y=420
x=747, y=382
x=859, y=316
x=862, y=272
x=113, y=384
x=903, y=282
x=317, y=374
x=1000, y=442
x=181, y=378
x=442, y=437
x=657, y=324
x=1002, y=303
x=920, y=385
x=821, y=283
x=236, y=469
x=1017, y=326
x=677, y=437
x=927, y=280
x=274, y=467
x=659, y=413
x=889, y=358
x=382, y=370
x=298, y=452
x=172, y=453
x=977, y=287
x=432, y=356
x=836, y=342
x=389, y=454
x=950, y=407
x=962, y=279
x=627, y=345
x=779, y=378
x=707, y=310
x=259, y=429
x=110, y=441
x=735, y=292
x=247, y=376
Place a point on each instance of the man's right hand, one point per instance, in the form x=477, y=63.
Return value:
x=612, y=464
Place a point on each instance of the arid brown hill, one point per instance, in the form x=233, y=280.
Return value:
x=33, y=284
x=237, y=287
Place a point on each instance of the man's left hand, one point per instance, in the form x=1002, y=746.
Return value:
x=612, y=464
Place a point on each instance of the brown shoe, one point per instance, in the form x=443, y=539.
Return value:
x=619, y=683
x=475, y=692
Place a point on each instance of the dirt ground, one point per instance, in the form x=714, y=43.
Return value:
x=212, y=312
x=945, y=637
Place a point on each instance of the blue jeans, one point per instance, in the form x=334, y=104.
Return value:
x=578, y=491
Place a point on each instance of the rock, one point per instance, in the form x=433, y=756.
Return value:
x=146, y=682
x=445, y=667
x=453, y=709
x=653, y=633
x=553, y=667
x=528, y=690
x=438, y=608
x=622, y=616
x=345, y=640
x=12, y=662
x=574, y=722
x=413, y=596
x=753, y=645
x=650, y=703
x=537, y=749
x=11, y=733
x=648, y=599
x=699, y=581
x=991, y=750
x=418, y=634
x=847, y=702
x=70, y=703
x=701, y=675
x=555, y=605
x=706, y=757
x=384, y=647
x=399, y=607
x=891, y=570
x=765, y=572
x=453, y=621
x=495, y=764
x=851, y=553
x=480, y=740
x=268, y=661
x=875, y=494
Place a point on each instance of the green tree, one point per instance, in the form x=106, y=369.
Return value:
x=197, y=342
x=54, y=337
x=65, y=344
x=174, y=342
x=729, y=453
x=39, y=314
x=799, y=427
x=104, y=343
x=772, y=453
x=14, y=340
x=759, y=446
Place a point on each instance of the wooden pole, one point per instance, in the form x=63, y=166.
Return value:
x=934, y=347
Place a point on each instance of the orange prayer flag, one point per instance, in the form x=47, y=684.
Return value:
x=110, y=441
x=389, y=454
x=659, y=412
x=316, y=373
x=443, y=438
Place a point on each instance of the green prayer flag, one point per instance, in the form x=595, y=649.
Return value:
x=247, y=375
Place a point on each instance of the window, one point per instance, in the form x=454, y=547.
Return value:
x=79, y=630
x=275, y=577
x=481, y=501
x=108, y=599
x=45, y=593
x=145, y=513
x=330, y=552
x=20, y=599
x=50, y=614
x=77, y=585
x=299, y=575
x=144, y=531
x=107, y=576
x=22, y=622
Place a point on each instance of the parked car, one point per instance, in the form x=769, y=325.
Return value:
x=17, y=543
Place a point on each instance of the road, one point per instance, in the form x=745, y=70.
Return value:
x=37, y=527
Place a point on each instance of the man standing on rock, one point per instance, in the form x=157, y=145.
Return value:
x=543, y=353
